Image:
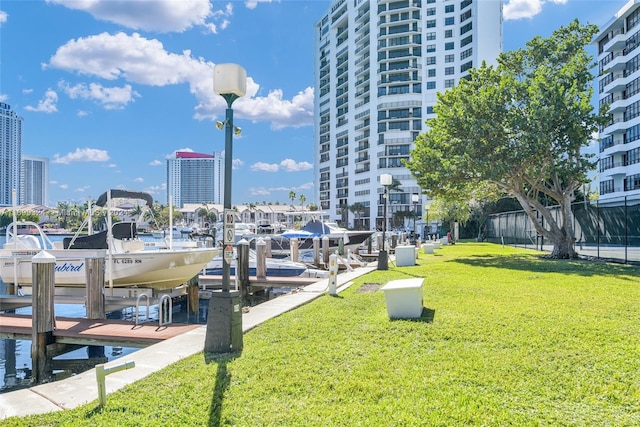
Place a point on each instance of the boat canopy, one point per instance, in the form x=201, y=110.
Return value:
x=125, y=194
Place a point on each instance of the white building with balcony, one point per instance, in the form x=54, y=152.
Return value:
x=378, y=68
x=618, y=44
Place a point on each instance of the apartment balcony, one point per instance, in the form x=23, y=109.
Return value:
x=362, y=36
x=618, y=83
x=362, y=146
x=618, y=104
x=617, y=41
x=618, y=62
x=617, y=126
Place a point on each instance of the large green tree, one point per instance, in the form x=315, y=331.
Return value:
x=518, y=128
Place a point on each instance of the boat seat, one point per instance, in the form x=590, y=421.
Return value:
x=124, y=230
x=94, y=241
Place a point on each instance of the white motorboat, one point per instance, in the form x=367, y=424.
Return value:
x=128, y=261
x=275, y=267
x=177, y=232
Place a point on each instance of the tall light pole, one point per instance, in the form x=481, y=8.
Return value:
x=427, y=205
x=415, y=198
x=383, y=258
x=224, y=320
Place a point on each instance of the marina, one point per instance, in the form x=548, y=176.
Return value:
x=97, y=317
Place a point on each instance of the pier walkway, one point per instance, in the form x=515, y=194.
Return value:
x=82, y=388
x=94, y=332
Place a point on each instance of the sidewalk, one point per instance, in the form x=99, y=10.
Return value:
x=82, y=388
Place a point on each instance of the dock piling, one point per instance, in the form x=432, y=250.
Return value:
x=95, y=286
x=43, y=318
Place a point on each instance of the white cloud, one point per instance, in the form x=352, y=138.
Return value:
x=287, y=165
x=264, y=167
x=82, y=189
x=159, y=15
x=142, y=61
x=252, y=4
x=47, y=104
x=82, y=155
x=27, y=91
x=139, y=179
x=155, y=163
x=523, y=9
x=64, y=186
x=82, y=113
x=114, y=98
x=3, y=97
x=236, y=163
x=259, y=192
x=290, y=165
x=3, y=17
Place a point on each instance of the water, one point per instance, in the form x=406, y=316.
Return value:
x=15, y=355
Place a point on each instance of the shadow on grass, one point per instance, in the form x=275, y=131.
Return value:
x=223, y=379
x=426, y=316
x=540, y=264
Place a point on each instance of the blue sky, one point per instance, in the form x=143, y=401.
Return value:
x=108, y=89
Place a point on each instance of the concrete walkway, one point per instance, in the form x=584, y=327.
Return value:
x=82, y=388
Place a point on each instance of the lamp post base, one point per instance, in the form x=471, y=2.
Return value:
x=224, y=323
x=383, y=260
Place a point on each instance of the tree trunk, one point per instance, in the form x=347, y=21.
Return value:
x=563, y=246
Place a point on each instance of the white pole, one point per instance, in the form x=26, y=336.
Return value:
x=90, y=216
x=110, y=240
x=170, y=222
x=14, y=200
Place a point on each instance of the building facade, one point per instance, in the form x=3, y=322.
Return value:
x=10, y=154
x=195, y=178
x=378, y=68
x=34, y=183
x=619, y=87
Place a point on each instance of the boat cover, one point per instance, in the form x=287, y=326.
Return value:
x=124, y=194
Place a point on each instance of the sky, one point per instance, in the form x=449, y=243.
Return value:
x=109, y=89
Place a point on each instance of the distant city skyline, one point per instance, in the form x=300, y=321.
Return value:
x=110, y=90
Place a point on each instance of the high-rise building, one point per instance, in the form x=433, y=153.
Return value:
x=619, y=87
x=34, y=188
x=195, y=178
x=10, y=154
x=379, y=65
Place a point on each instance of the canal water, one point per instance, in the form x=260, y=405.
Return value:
x=15, y=355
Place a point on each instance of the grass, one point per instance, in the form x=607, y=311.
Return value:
x=506, y=338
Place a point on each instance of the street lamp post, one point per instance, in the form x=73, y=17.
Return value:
x=224, y=320
x=383, y=258
x=415, y=198
x=426, y=209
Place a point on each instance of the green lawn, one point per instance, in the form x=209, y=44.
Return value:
x=506, y=338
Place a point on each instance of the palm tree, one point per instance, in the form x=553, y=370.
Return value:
x=302, y=199
x=292, y=196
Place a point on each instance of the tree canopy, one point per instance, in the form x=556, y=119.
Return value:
x=518, y=129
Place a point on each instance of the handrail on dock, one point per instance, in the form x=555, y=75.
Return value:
x=138, y=307
x=161, y=312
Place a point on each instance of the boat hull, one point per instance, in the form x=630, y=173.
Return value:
x=158, y=269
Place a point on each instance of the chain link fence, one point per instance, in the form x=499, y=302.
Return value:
x=610, y=232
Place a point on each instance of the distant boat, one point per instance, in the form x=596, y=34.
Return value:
x=274, y=267
x=177, y=232
x=315, y=227
x=128, y=261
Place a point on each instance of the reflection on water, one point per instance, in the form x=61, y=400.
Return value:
x=15, y=355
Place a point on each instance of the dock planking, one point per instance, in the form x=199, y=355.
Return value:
x=94, y=331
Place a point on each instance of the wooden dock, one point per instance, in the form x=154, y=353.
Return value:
x=103, y=332
x=269, y=281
